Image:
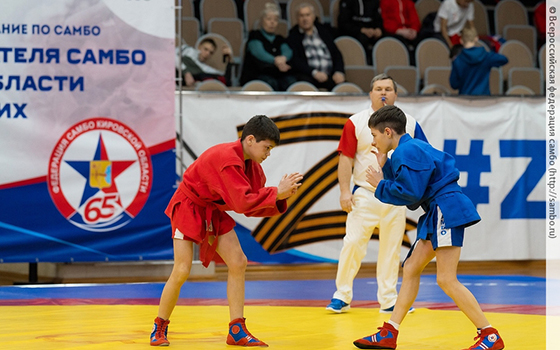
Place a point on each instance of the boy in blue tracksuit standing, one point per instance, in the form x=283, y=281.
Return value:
x=470, y=70
x=418, y=175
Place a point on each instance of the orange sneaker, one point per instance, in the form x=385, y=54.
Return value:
x=239, y=335
x=159, y=333
x=488, y=339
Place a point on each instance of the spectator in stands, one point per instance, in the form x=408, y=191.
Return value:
x=470, y=70
x=267, y=54
x=400, y=20
x=451, y=18
x=194, y=66
x=316, y=59
x=361, y=19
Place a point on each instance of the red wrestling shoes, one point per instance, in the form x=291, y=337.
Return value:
x=488, y=339
x=159, y=333
x=239, y=335
x=386, y=338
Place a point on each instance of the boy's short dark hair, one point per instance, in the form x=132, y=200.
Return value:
x=210, y=41
x=263, y=128
x=388, y=116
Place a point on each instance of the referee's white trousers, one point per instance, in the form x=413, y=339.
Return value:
x=367, y=214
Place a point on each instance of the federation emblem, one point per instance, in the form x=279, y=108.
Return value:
x=100, y=174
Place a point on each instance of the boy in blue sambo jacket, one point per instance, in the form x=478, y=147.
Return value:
x=418, y=175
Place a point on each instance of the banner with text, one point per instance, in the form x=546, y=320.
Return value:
x=498, y=143
x=87, y=129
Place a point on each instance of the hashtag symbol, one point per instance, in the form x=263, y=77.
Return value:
x=474, y=164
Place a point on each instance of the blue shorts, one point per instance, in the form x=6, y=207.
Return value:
x=446, y=236
x=443, y=237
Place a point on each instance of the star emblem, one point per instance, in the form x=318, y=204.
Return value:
x=100, y=172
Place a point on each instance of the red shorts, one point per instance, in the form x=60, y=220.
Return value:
x=455, y=39
x=188, y=219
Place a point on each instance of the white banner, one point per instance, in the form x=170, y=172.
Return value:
x=498, y=143
x=87, y=130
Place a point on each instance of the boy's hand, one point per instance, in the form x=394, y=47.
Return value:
x=381, y=157
x=373, y=177
x=288, y=185
x=189, y=79
x=226, y=54
x=226, y=50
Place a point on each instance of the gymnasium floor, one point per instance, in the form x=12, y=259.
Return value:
x=287, y=314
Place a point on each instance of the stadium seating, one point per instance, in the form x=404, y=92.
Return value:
x=518, y=55
x=353, y=53
x=509, y=12
x=256, y=85
x=406, y=76
x=216, y=9
x=389, y=52
x=347, y=88
x=431, y=52
x=300, y=86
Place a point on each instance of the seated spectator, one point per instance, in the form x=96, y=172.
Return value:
x=400, y=20
x=470, y=70
x=193, y=62
x=316, y=59
x=451, y=18
x=267, y=54
x=361, y=19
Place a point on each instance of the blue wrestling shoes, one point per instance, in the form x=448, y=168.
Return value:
x=338, y=306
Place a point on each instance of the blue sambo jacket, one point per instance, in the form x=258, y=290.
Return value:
x=418, y=175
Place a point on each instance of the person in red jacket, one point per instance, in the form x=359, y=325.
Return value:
x=400, y=20
x=225, y=177
x=539, y=18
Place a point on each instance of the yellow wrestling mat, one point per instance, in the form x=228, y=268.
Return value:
x=290, y=328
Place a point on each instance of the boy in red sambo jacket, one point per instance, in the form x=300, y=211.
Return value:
x=225, y=177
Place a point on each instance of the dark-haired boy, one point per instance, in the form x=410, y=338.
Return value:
x=227, y=176
x=194, y=62
x=418, y=175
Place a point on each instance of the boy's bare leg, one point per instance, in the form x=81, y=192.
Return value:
x=447, y=260
x=236, y=261
x=422, y=254
x=182, y=256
